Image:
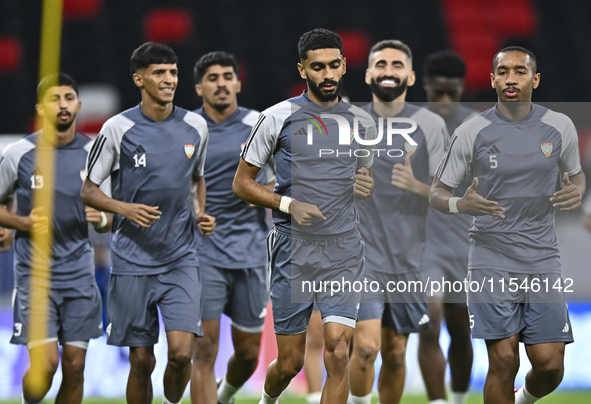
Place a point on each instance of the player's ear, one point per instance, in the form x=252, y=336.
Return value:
x=412, y=78
x=536, y=80
x=198, y=90
x=238, y=87
x=492, y=80
x=367, y=77
x=344, y=65
x=40, y=110
x=138, y=80
x=302, y=71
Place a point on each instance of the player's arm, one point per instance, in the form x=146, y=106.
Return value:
x=441, y=198
x=571, y=194
x=205, y=223
x=364, y=183
x=101, y=221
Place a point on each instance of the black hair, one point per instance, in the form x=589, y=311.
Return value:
x=55, y=80
x=221, y=58
x=152, y=53
x=318, y=38
x=391, y=44
x=532, y=57
x=445, y=64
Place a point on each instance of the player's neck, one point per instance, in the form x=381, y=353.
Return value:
x=514, y=110
x=155, y=110
x=323, y=104
x=391, y=108
x=53, y=136
x=219, y=115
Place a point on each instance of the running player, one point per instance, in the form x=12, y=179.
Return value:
x=587, y=213
x=74, y=313
x=393, y=226
x=516, y=152
x=152, y=153
x=322, y=240
x=447, y=257
x=233, y=259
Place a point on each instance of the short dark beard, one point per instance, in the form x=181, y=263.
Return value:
x=62, y=127
x=322, y=96
x=388, y=94
x=220, y=107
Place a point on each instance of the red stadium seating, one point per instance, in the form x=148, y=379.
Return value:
x=81, y=8
x=356, y=45
x=10, y=54
x=168, y=25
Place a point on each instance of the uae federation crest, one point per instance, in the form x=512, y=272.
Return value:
x=189, y=150
x=410, y=149
x=547, y=149
x=83, y=175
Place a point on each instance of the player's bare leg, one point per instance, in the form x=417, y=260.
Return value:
x=368, y=337
x=139, y=384
x=178, y=368
x=203, y=385
x=337, y=338
x=245, y=358
x=547, y=368
x=460, y=354
x=393, y=372
x=503, y=364
x=50, y=353
x=313, y=363
x=72, y=388
x=431, y=359
x=289, y=362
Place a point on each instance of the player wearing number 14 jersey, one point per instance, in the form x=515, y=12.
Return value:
x=515, y=152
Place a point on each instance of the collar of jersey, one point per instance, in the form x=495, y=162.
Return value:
x=168, y=118
x=526, y=118
x=402, y=112
x=316, y=106
x=235, y=115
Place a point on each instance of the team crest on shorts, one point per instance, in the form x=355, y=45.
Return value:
x=547, y=149
x=83, y=175
x=189, y=150
x=410, y=149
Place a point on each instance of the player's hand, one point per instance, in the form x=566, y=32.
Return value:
x=363, y=183
x=305, y=213
x=403, y=177
x=475, y=205
x=206, y=224
x=36, y=222
x=93, y=216
x=6, y=239
x=569, y=197
x=142, y=215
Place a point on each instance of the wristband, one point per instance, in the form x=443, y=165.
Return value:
x=103, y=222
x=284, y=204
x=453, y=205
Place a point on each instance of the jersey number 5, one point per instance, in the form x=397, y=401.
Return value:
x=140, y=161
x=493, y=161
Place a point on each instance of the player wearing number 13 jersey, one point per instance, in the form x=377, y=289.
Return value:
x=515, y=152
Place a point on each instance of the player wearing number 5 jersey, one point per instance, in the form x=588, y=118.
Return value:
x=515, y=152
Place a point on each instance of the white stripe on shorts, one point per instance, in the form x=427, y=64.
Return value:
x=349, y=322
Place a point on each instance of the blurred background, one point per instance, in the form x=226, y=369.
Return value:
x=98, y=39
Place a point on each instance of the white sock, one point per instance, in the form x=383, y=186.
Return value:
x=458, y=397
x=522, y=396
x=314, y=398
x=360, y=400
x=438, y=401
x=167, y=401
x=226, y=391
x=266, y=399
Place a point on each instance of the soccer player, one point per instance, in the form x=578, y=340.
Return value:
x=74, y=303
x=447, y=257
x=516, y=152
x=587, y=213
x=154, y=154
x=233, y=259
x=393, y=226
x=318, y=192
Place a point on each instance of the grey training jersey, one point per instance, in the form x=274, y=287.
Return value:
x=302, y=172
x=393, y=222
x=241, y=230
x=517, y=164
x=152, y=163
x=586, y=208
x=72, y=263
x=447, y=235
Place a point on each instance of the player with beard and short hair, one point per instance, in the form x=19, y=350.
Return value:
x=74, y=312
x=233, y=259
x=320, y=236
x=515, y=152
x=154, y=153
x=447, y=257
x=393, y=227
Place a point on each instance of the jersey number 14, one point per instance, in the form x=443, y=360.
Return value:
x=141, y=161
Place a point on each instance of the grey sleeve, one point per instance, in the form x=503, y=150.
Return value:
x=202, y=152
x=370, y=133
x=570, y=157
x=8, y=175
x=436, y=142
x=262, y=142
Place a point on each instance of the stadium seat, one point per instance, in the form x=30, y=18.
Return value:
x=356, y=45
x=81, y=8
x=168, y=25
x=10, y=54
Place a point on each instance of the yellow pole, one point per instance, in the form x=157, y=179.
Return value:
x=51, y=32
